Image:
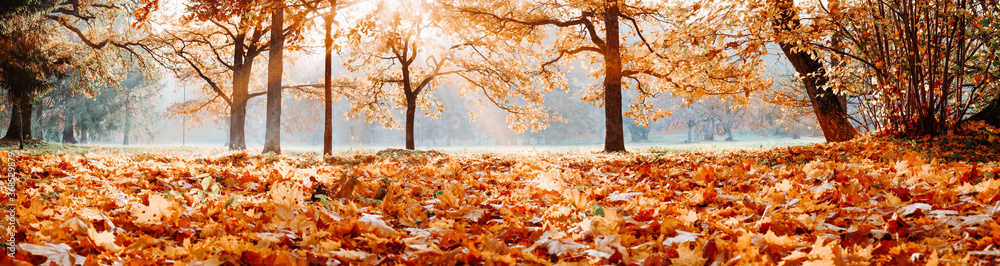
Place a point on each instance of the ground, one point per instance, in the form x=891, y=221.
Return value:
x=875, y=200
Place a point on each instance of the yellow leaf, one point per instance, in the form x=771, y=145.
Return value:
x=206, y=182
x=158, y=208
x=550, y=180
x=822, y=254
x=780, y=241
x=933, y=260
x=285, y=196
x=689, y=216
x=105, y=239
x=689, y=256
x=60, y=254
x=90, y=214
x=783, y=186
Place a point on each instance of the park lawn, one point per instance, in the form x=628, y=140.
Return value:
x=874, y=200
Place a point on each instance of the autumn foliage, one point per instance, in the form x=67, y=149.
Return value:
x=874, y=200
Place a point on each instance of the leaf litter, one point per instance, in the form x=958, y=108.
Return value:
x=875, y=200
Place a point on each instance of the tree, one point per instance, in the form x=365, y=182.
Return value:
x=101, y=112
x=931, y=61
x=194, y=47
x=913, y=67
x=272, y=136
x=637, y=132
x=387, y=45
x=39, y=53
x=328, y=11
x=832, y=117
x=28, y=68
x=140, y=95
x=407, y=49
x=686, y=58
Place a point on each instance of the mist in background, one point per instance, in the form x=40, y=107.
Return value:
x=705, y=121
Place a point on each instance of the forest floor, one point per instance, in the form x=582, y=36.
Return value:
x=874, y=200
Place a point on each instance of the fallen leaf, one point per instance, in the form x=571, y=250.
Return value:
x=60, y=254
x=104, y=239
x=158, y=208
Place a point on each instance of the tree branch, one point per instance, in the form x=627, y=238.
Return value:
x=572, y=52
x=211, y=83
x=255, y=94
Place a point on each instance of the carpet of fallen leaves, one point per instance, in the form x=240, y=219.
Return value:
x=875, y=200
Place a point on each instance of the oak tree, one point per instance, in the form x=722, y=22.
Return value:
x=217, y=42
x=652, y=47
x=327, y=10
x=406, y=49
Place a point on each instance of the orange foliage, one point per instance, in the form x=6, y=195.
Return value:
x=874, y=200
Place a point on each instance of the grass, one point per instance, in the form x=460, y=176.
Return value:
x=659, y=144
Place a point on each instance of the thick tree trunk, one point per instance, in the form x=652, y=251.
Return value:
x=67, y=134
x=710, y=129
x=327, y=90
x=272, y=134
x=833, y=118
x=83, y=136
x=638, y=133
x=990, y=114
x=243, y=64
x=826, y=104
x=614, y=140
x=238, y=110
x=20, y=122
x=237, y=124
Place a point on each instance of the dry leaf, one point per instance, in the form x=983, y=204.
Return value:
x=158, y=208
x=56, y=255
x=104, y=239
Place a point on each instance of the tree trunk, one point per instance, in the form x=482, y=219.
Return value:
x=68, y=136
x=690, y=125
x=242, y=66
x=411, y=111
x=411, y=102
x=128, y=119
x=20, y=122
x=272, y=135
x=833, y=119
x=327, y=90
x=638, y=133
x=229, y=122
x=126, y=132
x=238, y=110
x=826, y=104
x=710, y=129
x=83, y=135
x=990, y=114
x=729, y=132
x=614, y=140
x=237, y=122
x=37, y=120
